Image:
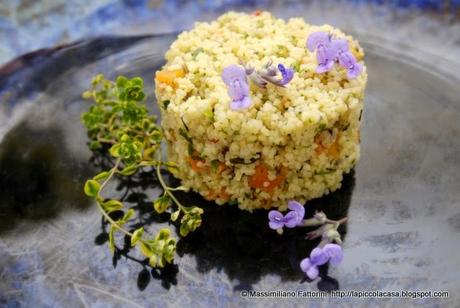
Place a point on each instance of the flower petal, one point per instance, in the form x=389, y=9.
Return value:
x=275, y=220
x=290, y=219
x=233, y=72
x=323, y=68
x=275, y=225
x=323, y=55
x=317, y=38
x=298, y=209
x=275, y=215
x=355, y=71
x=237, y=90
x=334, y=252
x=318, y=256
x=346, y=60
x=312, y=272
x=244, y=103
x=286, y=73
x=339, y=45
x=305, y=265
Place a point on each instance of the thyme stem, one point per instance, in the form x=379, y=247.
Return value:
x=166, y=188
x=98, y=202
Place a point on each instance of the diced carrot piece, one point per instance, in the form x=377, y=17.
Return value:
x=256, y=13
x=221, y=167
x=320, y=148
x=277, y=181
x=334, y=149
x=169, y=77
x=213, y=140
x=197, y=165
x=260, y=177
x=222, y=195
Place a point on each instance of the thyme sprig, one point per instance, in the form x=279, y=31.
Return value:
x=118, y=120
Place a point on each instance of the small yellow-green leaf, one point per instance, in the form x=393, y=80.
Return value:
x=153, y=260
x=163, y=234
x=175, y=215
x=112, y=206
x=129, y=170
x=146, y=250
x=137, y=236
x=128, y=215
x=183, y=230
x=101, y=176
x=92, y=188
x=160, y=262
x=115, y=150
x=161, y=204
x=86, y=95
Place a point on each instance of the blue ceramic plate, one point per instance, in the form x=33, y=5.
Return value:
x=403, y=198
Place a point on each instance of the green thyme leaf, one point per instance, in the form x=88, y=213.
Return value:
x=129, y=170
x=161, y=204
x=146, y=249
x=92, y=188
x=175, y=215
x=163, y=234
x=101, y=176
x=137, y=235
x=166, y=104
x=130, y=213
x=112, y=206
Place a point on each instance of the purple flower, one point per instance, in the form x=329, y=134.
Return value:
x=325, y=55
x=346, y=58
x=268, y=74
x=334, y=252
x=348, y=61
x=297, y=208
x=292, y=219
x=308, y=268
x=234, y=77
x=317, y=39
x=319, y=256
x=329, y=51
x=286, y=73
x=277, y=220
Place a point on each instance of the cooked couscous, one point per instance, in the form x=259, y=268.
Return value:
x=293, y=142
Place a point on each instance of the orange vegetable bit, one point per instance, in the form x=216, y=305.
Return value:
x=221, y=195
x=334, y=149
x=257, y=13
x=320, y=148
x=221, y=167
x=258, y=179
x=169, y=77
x=197, y=165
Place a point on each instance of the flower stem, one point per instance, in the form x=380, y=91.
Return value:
x=337, y=222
